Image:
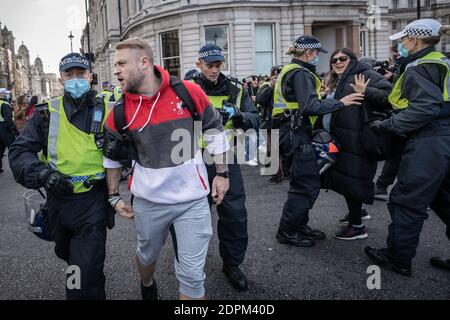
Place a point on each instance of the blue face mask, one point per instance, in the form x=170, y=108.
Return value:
x=315, y=61
x=402, y=51
x=76, y=87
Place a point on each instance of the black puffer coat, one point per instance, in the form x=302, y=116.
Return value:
x=352, y=175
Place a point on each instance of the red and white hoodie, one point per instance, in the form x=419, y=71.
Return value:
x=151, y=121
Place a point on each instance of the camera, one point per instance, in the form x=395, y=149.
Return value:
x=382, y=67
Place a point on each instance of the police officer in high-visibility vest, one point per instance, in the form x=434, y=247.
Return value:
x=117, y=94
x=8, y=130
x=421, y=94
x=296, y=99
x=106, y=92
x=238, y=112
x=69, y=132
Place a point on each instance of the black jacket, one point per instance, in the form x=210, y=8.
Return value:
x=8, y=123
x=423, y=86
x=23, y=154
x=300, y=86
x=225, y=87
x=265, y=100
x=353, y=172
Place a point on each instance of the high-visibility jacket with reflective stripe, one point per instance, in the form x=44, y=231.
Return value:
x=396, y=97
x=217, y=102
x=106, y=95
x=72, y=151
x=279, y=101
x=117, y=93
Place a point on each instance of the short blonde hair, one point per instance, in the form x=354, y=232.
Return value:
x=138, y=44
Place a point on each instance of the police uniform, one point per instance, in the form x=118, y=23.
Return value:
x=232, y=224
x=8, y=130
x=296, y=104
x=69, y=131
x=421, y=94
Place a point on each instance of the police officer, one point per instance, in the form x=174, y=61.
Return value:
x=296, y=98
x=238, y=112
x=106, y=92
x=8, y=129
x=421, y=94
x=69, y=131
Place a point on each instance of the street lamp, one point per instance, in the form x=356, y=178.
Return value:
x=215, y=38
x=71, y=38
x=418, y=9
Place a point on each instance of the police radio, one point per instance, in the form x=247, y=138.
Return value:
x=97, y=120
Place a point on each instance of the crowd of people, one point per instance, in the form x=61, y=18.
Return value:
x=86, y=139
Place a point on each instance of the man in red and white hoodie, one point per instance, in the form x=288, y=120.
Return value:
x=168, y=195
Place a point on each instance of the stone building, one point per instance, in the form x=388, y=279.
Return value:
x=254, y=34
x=402, y=12
x=18, y=75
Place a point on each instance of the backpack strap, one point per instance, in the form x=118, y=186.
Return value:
x=181, y=91
x=119, y=117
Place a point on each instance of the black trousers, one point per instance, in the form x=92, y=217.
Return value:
x=6, y=139
x=423, y=180
x=81, y=239
x=389, y=173
x=232, y=223
x=304, y=184
x=354, y=211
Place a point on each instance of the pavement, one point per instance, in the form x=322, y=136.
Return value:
x=332, y=270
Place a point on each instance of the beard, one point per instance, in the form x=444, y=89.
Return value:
x=134, y=82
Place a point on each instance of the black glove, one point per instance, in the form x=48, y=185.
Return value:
x=225, y=117
x=239, y=120
x=55, y=182
x=379, y=127
x=116, y=151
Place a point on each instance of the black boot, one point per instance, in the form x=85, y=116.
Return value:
x=312, y=233
x=149, y=293
x=382, y=257
x=440, y=263
x=236, y=277
x=294, y=238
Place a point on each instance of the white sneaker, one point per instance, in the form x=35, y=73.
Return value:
x=252, y=163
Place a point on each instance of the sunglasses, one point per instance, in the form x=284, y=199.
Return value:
x=341, y=59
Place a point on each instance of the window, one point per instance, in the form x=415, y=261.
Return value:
x=170, y=48
x=139, y=5
x=395, y=4
x=394, y=25
x=411, y=3
x=427, y=3
x=218, y=35
x=264, y=53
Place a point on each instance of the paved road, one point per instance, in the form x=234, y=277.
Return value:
x=332, y=270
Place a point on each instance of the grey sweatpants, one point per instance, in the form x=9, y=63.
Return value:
x=191, y=229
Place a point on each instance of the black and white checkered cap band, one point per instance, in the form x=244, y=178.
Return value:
x=418, y=32
x=316, y=45
x=211, y=53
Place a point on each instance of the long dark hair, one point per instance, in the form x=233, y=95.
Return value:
x=331, y=79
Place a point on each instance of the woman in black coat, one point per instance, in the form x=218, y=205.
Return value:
x=352, y=175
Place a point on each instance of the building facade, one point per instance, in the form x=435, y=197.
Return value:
x=402, y=12
x=19, y=75
x=254, y=34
